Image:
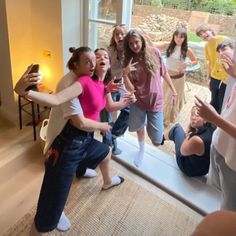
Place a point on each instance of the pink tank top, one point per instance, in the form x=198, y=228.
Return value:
x=92, y=99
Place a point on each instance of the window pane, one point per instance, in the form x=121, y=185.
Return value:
x=99, y=35
x=102, y=9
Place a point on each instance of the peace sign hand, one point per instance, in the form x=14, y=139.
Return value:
x=129, y=68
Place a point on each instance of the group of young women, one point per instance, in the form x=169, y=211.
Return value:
x=83, y=93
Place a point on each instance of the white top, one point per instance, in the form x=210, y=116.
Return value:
x=174, y=61
x=116, y=63
x=230, y=83
x=224, y=143
x=59, y=115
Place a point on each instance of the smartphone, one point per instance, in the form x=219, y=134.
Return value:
x=118, y=81
x=34, y=69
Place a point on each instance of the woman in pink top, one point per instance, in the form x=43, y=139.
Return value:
x=73, y=149
x=146, y=81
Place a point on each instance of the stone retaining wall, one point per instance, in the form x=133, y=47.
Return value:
x=225, y=25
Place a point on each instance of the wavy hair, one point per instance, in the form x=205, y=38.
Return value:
x=116, y=28
x=146, y=54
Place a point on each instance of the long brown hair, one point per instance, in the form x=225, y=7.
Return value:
x=184, y=46
x=146, y=54
x=116, y=27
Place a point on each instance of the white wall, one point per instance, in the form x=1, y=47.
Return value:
x=28, y=29
x=47, y=36
x=11, y=45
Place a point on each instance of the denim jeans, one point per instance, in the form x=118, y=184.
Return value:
x=177, y=135
x=72, y=151
x=121, y=123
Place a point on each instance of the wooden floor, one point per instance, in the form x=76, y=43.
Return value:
x=21, y=172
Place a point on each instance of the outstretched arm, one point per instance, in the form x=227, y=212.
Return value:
x=208, y=113
x=126, y=100
x=57, y=99
x=44, y=98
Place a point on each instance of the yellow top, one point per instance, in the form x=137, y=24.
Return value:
x=217, y=70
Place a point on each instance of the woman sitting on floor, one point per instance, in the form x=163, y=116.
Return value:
x=193, y=147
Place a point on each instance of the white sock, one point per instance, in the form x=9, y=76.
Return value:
x=139, y=158
x=141, y=145
x=64, y=223
x=90, y=173
x=115, y=180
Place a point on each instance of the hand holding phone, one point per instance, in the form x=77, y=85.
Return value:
x=34, y=69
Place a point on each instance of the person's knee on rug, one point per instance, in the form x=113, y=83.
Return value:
x=105, y=168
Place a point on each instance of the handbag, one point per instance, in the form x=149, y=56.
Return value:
x=43, y=129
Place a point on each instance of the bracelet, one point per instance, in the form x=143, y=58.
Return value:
x=175, y=94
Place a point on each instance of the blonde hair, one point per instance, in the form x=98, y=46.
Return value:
x=204, y=27
x=146, y=54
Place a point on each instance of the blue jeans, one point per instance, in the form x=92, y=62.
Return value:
x=217, y=93
x=177, y=135
x=71, y=153
x=121, y=123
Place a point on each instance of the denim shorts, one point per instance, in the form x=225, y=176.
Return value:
x=72, y=151
x=138, y=118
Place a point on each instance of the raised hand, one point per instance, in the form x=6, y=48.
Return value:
x=129, y=68
x=129, y=98
x=26, y=80
x=229, y=65
x=112, y=86
x=206, y=111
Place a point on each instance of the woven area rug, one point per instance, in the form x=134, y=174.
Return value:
x=128, y=209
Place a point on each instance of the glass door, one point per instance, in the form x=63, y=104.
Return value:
x=99, y=18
